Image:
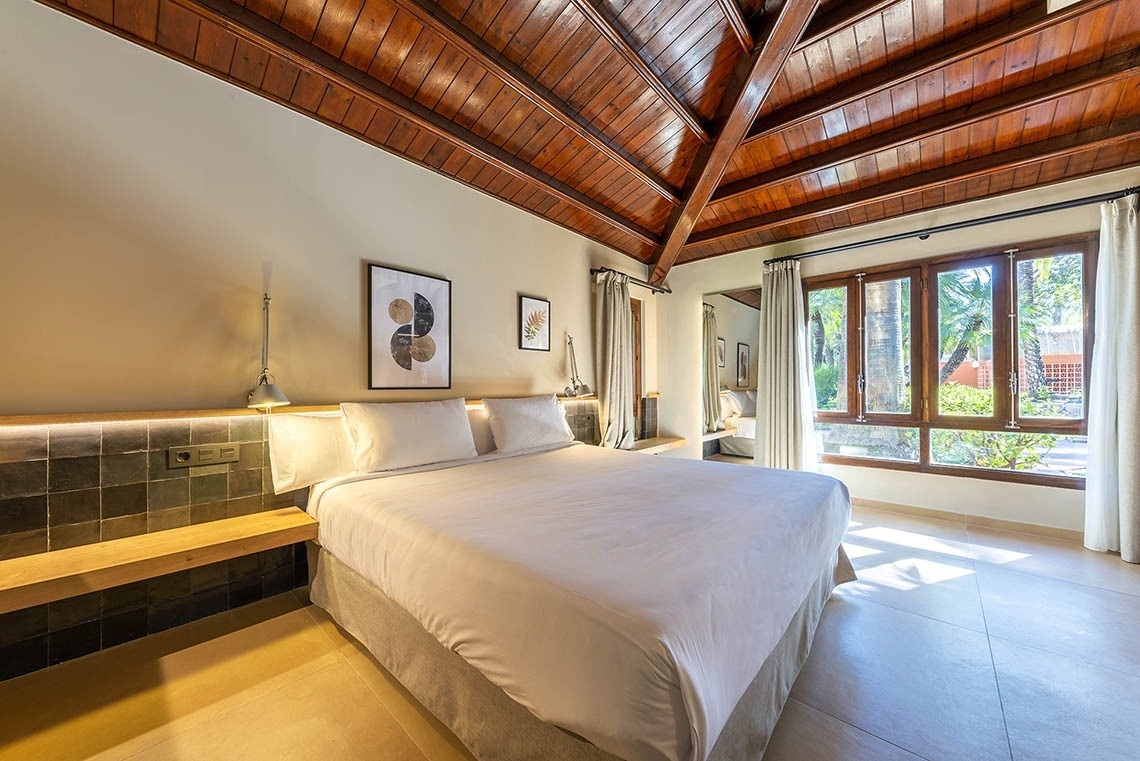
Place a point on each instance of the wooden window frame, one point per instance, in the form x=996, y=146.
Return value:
x=925, y=350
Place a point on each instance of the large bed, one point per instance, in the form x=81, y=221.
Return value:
x=575, y=603
x=738, y=410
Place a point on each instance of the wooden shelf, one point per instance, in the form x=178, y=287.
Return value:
x=657, y=444
x=48, y=576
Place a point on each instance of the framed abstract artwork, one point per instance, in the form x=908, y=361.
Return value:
x=741, y=365
x=720, y=352
x=409, y=329
x=534, y=323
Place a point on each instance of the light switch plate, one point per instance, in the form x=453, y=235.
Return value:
x=202, y=454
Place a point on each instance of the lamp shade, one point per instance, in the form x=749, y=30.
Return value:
x=267, y=395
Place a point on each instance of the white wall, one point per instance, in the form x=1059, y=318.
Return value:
x=679, y=332
x=144, y=206
x=736, y=323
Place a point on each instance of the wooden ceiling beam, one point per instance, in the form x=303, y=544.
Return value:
x=254, y=29
x=1024, y=24
x=608, y=28
x=1119, y=131
x=1102, y=72
x=839, y=18
x=734, y=15
x=750, y=84
x=478, y=50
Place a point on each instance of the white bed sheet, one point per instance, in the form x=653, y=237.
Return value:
x=745, y=426
x=624, y=597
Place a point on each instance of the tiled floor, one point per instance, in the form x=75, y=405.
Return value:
x=957, y=643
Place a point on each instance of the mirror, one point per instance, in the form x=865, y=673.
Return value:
x=731, y=434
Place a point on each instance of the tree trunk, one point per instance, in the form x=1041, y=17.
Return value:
x=818, y=340
x=1027, y=328
x=962, y=350
x=884, y=347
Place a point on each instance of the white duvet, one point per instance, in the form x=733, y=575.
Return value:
x=745, y=426
x=628, y=598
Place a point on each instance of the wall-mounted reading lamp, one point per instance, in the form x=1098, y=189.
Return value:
x=266, y=394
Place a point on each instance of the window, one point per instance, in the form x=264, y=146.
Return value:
x=971, y=364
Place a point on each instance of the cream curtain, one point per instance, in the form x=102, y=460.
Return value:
x=711, y=384
x=614, y=325
x=1112, y=492
x=785, y=435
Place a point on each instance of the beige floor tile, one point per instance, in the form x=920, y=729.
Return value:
x=1059, y=560
x=329, y=715
x=924, y=685
x=432, y=738
x=1059, y=709
x=1087, y=623
x=930, y=583
x=805, y=734
x=920, y=529
x=129, y=697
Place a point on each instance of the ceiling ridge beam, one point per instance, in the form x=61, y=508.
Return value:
x=481, y=52
x=254, y=29
x=734, y=15
x=1028, y=22
x=826, y=24
x=618, y=40
x=1108, y=70
x=750, y=84
x=1111, y=133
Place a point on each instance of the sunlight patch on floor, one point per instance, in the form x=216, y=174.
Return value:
x=941, y=546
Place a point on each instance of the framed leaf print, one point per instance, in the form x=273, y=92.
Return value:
x=534, y=323
x=409, y=329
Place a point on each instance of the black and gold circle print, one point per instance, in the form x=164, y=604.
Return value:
x=411, y=342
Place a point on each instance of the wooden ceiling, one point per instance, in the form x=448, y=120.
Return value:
x=675, y=130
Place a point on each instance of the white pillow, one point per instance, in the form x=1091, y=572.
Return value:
x=307, y=449
x=729, y=404
x=481, y=430
x=743, y=402
x=401, y=435
x=526, y=423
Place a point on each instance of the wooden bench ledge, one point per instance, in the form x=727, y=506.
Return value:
x=48, y=576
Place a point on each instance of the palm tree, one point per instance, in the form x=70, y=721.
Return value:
x=883, y=310
x=965, y=315
x=1027, y=326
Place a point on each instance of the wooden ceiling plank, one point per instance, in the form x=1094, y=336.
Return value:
x=750, y=84
x=737, y=23
x=253, y=28
x=962, y=49
x=482, y=52
x=1113, y=69
x=609, y=30
x=842, y=16
x=972, y=169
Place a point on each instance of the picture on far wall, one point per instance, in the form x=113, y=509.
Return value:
x=409, y=329
x=720, y=352
x=742, y=365
x=534, y=323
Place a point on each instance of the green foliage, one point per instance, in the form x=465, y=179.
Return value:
x=826, y=387
x=965, y=299
x=988, y=449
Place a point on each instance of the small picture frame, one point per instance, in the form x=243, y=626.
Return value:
x=721, y=351
x=409, y=329
x=741, y=365
x=534, y=323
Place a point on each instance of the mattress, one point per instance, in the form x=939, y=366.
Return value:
x=626, y=598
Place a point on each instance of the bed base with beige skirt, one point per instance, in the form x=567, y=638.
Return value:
x=496, y=728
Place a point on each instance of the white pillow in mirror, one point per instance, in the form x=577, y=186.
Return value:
x=527, y=423
x=404, y=434
x=305, y=449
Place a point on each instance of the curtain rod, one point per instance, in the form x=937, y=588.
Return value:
x=927, y=232
x=632, y=280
